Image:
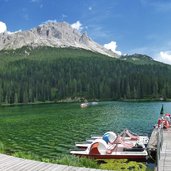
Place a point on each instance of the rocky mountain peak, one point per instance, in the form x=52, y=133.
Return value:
x=54, y=34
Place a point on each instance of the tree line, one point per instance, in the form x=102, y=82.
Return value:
x=51, y=74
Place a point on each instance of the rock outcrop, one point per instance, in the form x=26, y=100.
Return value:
x=52, y=34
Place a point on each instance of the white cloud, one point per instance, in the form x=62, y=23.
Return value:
x=9, y=32
x=77, y=25
x=3, y=27
x=50, y=21
x=165, y=57
x=112, y=46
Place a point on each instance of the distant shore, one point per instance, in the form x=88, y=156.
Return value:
x=82, y=100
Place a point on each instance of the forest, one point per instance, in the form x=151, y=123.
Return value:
x=30, y=75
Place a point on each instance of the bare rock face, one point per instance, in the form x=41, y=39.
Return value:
x=52, y=34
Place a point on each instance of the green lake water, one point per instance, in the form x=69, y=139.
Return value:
x=51, y=129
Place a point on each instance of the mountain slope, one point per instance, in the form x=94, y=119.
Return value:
x=53, y=74
x=51, y=34
x=138, y=59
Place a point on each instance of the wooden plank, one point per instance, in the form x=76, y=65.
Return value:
x=36, y=167
x=28, y=166
x=165, y=153
x=10, y=163
x=152, y=144
x=68, y=168
x=3, y=160
x=61, y=168
x=55, y=167
x=46, y=166
x=16, y=165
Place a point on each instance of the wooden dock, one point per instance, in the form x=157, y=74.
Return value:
x=152, y=144
x=164, y=162
x=10, y=163
x=159, y=148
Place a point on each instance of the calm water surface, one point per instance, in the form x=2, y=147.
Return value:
x=51, y=129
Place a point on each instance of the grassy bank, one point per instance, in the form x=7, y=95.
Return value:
x=119, y=165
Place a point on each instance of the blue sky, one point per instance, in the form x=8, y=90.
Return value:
x=133, y=26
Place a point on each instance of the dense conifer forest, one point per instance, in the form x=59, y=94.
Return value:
x=51, y=74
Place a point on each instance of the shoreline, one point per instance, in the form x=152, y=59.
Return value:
x=69, y=100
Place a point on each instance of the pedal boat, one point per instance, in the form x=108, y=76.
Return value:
x=126, y=135
x=100, y=149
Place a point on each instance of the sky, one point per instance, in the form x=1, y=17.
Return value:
x=125, y=26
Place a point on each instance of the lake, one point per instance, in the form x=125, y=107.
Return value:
x=49, y=130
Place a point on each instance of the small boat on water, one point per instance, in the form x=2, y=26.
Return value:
x=126, y=135
x=84, y=105
x=100, y=149
x=87, y=104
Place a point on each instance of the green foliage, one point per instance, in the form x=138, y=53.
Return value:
x=123, y=165
x=2, y=147
x=76, y=161
x=26, y=155
x=54, y=74
x=150, y=169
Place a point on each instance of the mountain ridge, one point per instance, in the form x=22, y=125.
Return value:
x=53, y=34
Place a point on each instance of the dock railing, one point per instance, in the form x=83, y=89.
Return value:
x=159, y=145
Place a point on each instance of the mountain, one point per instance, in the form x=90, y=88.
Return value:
x=53, y=34
x=55, y=62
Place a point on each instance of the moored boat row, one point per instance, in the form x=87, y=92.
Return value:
x=112, y=146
